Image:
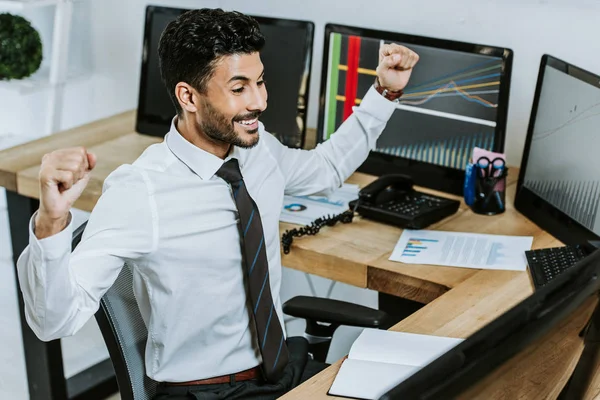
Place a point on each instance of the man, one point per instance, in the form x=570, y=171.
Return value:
x=197, y=217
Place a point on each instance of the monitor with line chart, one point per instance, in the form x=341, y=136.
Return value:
x=559, y=185
x=457, y=98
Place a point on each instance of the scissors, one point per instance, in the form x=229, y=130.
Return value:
x=491, y=168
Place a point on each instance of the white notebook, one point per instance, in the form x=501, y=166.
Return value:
x=379, y=360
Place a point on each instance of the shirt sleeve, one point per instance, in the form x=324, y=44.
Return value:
x=324, y=169
x=61, y=291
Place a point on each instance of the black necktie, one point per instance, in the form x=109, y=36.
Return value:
x=270, y=335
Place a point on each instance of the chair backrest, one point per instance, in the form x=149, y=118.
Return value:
x=125, y=334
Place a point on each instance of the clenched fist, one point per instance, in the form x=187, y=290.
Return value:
x=63, y=176
x=395, y=66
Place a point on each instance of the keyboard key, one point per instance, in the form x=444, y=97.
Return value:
x=546, y=264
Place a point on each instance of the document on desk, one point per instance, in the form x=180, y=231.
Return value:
x=305, y=209
x=379, y=360
x=457, y=249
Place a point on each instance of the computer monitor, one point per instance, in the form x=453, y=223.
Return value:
x=467, y=365
x=559, y=185
x=457, y=98
x=287, y=56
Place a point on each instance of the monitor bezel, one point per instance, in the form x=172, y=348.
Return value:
x=437, y=177
x=538, y=210
x=148, y=124
x=478, y=355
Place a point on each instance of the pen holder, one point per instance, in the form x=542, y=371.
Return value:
x=488, y=191
x=490, y=194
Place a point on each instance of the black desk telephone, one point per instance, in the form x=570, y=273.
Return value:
x=391, y=199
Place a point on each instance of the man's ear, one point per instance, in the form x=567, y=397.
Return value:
x=187, y=97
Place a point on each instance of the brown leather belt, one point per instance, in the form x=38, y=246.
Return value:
x=252, y=373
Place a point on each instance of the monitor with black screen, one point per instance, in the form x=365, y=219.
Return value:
x=457, y=98
x=465, y=367
x=559, y=185
x=287, y=59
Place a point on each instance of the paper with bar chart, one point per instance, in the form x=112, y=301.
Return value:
x=449, y=106
x=458, y=249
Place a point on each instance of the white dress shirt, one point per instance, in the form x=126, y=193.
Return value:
x=175, y=222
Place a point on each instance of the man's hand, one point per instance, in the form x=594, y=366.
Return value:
x=395, y=66
x=63, y=176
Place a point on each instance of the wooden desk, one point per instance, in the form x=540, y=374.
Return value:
x=459, y=301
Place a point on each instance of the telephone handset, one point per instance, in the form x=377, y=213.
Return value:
x=385, y=188
x=393, y=200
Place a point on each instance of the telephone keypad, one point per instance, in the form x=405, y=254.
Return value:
x=413, y=209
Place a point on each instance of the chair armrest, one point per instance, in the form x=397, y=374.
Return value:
x=335, y=312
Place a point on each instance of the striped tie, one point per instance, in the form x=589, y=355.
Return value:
x=269, y=333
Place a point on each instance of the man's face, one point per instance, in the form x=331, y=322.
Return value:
x=235, y=97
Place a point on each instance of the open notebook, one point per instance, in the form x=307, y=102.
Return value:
x=379, y=360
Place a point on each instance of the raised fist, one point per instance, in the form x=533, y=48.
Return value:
x=395, y=66
x=63, y=176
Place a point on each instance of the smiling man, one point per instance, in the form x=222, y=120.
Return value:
x=196, y=217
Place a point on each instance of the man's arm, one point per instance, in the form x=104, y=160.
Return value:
x=325, y=168
x=61, y=291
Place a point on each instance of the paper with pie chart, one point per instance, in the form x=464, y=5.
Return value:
x=458, y=249
x=303, y=210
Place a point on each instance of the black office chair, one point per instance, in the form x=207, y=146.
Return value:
x=125, y=332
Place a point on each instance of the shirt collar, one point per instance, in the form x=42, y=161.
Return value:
x=203, y=163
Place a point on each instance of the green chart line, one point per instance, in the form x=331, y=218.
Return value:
x=334, y=57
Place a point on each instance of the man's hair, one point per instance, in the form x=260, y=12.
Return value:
x=191, y=45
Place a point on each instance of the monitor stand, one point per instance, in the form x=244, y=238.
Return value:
x=584, y=372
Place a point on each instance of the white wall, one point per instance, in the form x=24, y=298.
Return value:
x=109, y=32
x=563, y=28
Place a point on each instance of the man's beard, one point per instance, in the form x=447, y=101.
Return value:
x=219, y=128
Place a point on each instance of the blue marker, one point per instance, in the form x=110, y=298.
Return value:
x=469, y=185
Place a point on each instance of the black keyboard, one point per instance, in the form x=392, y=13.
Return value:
x=546, y=264
x=412, y=210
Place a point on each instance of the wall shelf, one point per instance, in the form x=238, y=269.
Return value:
x=59, y=72
x=40, y=81
x=23, y=5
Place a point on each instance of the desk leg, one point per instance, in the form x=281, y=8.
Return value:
x=43, y=360
x=397, y=307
